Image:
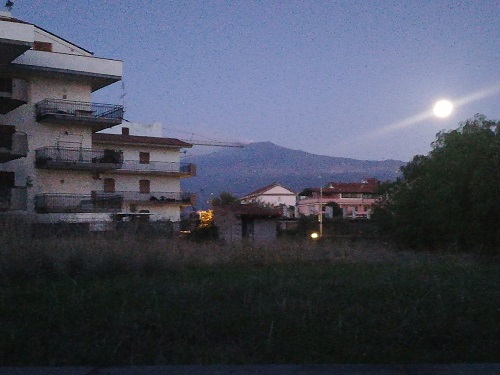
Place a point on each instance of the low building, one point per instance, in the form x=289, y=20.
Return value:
x=356, y=199
x=250, y=222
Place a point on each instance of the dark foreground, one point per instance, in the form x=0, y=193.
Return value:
x=415, y=369
x=141, y=306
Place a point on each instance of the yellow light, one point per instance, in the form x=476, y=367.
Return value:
x=206, y=217
x=314, y=235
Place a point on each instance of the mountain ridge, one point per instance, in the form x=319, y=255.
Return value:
x=240, y=171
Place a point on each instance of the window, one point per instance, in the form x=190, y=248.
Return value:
x=143, y=157
x=125, y=131
x=109, y=185
x=144, y=187
x=42, y=46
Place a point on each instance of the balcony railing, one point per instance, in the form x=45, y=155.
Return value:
x=78, y=203
x=13, y=146
x=99, y=116
x=156, y=167
x=78, y=158
x=152, y=197
x=12, y=199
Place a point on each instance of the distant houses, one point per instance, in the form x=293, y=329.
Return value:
x=259, y=214
x=355, y=199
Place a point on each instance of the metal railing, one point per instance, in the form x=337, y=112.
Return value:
x=77, y=203
x=96, y=111
x=154, y=196
x=157, y=166
x=14, y=198
x=47, y=157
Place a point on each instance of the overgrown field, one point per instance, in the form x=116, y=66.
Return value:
x=105, y=301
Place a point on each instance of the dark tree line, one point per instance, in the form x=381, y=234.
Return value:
x=449, y=199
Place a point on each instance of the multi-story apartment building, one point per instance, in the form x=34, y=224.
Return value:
x=54, y=165
x=356, y=199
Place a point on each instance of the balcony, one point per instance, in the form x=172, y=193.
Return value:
x=12, y=199
x=98, y=116
x=159, y=168
x=78, y=203
x=15, y=39
x=99, y=72
x=78, y=159
x=13, y=145
x=13, y=94
x=154, y=198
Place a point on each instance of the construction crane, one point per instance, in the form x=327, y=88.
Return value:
x=208, y=141
x=213, y=143
x=199, y=142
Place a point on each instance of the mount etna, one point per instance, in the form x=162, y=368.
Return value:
x=240, y=171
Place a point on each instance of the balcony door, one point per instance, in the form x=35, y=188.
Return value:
x=109, y=185
x=144, y=187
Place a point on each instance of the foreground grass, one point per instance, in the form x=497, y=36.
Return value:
x=292, y=303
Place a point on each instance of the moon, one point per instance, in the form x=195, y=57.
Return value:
x=443, y=108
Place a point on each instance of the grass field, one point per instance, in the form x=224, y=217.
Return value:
x=99, y=301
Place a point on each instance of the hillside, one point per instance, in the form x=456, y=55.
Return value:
x=242, y=170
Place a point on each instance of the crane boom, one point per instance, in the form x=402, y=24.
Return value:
x=214, y=143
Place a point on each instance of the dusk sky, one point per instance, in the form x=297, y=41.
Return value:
x=351, y=78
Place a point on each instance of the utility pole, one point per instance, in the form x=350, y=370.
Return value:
x=320, y=217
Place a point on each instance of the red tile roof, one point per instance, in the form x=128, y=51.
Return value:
x=139, y=140
x=370, y=185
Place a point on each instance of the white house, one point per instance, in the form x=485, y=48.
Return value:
x=274, y=195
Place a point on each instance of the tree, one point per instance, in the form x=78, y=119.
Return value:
x=449, y=198
x=225, y=198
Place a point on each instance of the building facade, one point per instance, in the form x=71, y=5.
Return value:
x=148, y=181
x=55, y=166
x=355, y=199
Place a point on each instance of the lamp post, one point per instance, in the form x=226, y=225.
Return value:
x=320, y=215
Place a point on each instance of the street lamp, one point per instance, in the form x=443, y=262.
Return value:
x=320, y=216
